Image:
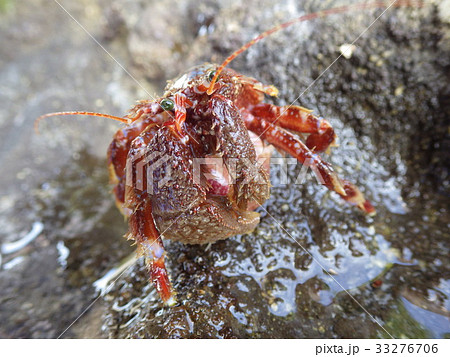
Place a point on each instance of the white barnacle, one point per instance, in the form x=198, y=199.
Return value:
x=181, y=82
x=347, y=50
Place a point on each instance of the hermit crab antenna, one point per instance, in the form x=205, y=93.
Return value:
x=36, y=122
x=314, y=15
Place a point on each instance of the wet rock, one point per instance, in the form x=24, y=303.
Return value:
x=57, y=178
x=389, y=104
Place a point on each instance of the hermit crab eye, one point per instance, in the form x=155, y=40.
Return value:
x=167, y=104
x=211, y=75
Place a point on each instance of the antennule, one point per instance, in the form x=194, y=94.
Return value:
x=36, y=122
x=314, y=15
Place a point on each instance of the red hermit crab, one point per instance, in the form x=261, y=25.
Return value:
x=192, y=165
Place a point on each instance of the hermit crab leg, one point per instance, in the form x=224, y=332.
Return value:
x=142, y=229
x=301, y=120
x=137, y=206
x=181, y=103
x=288, y=142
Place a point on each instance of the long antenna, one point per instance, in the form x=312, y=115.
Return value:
x=314, y=15
x=36, y=122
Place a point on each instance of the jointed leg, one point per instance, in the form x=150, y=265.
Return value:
x=288, y=142
x=142, y=229
x=138, y=208
x=300, y=120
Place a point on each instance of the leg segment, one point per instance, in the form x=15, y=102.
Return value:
x=289, y=143
x=138, y=208
x=300, y=120
x=142, y=229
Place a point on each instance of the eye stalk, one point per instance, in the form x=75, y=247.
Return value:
x=167, y=104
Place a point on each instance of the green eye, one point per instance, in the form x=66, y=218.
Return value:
x=167, y=104
x=211, y=75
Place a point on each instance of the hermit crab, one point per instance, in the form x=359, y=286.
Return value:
x=192, y=165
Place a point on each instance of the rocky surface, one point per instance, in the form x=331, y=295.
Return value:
x=313, y=267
